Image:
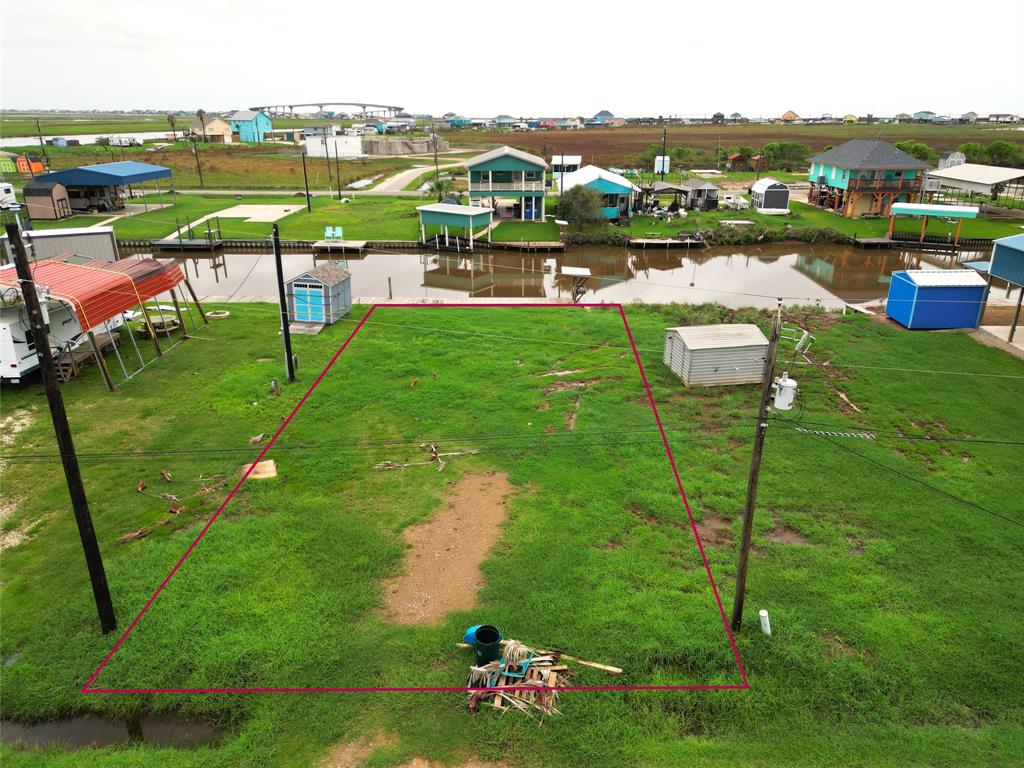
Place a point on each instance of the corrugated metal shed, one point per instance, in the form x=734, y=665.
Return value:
x=714, y=355
x=1008, y=259
x=94, y=242
x=936, y=298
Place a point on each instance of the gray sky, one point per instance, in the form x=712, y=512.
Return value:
x=674, y=58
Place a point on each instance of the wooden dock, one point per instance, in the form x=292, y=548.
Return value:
x=665, y=242
x=339, y=246
x=187, y=245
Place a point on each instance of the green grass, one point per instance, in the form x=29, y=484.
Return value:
x=896, y=623
x=81, y=220
x=803, y=215
x=71, y=125
x=516, y=231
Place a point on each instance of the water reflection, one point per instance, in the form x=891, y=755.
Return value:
x=735, y=276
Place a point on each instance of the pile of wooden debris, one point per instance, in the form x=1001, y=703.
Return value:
x=524, y=679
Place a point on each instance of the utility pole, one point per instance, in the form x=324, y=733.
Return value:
x=664, y=132
x=327, y=159
x=42, y=144
x=437, y=169
x=65, y=443
x=199, y=168
x=718, y=155
x=305, y=182
x=755, y=472
x=289, y=362
x=337, y=169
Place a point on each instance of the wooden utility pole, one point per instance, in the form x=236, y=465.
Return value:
x=437, y=169
x=199, y=168
x=337, y=169
x=664, y=136
x=289, y=362
x=305, y=183
x=65, y=443
x=42, y=145
x=755, y=472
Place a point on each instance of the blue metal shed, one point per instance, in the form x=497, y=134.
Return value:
x=936, y=298
x=1008, y=259
x=320, y=296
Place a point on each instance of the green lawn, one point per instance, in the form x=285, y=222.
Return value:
x=524, y=231
x=895, y=609
x=81, y=220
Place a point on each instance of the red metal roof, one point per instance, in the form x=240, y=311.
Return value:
x=99, y=290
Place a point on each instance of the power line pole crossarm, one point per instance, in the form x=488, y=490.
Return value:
x=65, y=443
x=755, y=474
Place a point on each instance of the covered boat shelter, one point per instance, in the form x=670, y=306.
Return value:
x=929, y=210
x=99, y=186
x=469, y=218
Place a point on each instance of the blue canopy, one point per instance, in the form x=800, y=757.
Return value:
x=107, y=174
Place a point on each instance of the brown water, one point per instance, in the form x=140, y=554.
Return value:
x=90, y=731
x=736, y=276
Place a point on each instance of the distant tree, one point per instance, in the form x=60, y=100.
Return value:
x=920, y=151
x=172, y=120
x=440, y=187
x=1006, y=153
x=786, y=154
x=581, y=206
x=201, y=114
x=681, y=156
x=971, y=151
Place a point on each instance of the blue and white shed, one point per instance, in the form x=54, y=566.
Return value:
x=1008, y=259
x=320, y=296
x=936, y=298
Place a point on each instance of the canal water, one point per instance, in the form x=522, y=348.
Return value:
x=91, y=731
x=736, y=276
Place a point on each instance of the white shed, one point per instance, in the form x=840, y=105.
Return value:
x=714, y=355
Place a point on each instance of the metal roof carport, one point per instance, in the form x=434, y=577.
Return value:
x=927, y=210
x=445, y=215
x=108, y=174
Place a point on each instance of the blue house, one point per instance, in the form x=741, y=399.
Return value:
x=619, y=192
x=507, y=173
x=936, y=298
x=251, y=125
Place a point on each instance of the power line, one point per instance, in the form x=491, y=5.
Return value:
x=929, y=486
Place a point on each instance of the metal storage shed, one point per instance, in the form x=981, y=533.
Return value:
x=936, y=298
x=94, y=242
x=320, y=296
x=713, y=355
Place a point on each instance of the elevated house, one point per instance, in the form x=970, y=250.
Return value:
x=251, y=125
x=618, y=191
x=507, y=173
x=213, y=129
x=864, y=177
x=923, y=117
x=565, y=163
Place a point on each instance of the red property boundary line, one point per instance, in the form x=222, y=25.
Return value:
x=745, y=685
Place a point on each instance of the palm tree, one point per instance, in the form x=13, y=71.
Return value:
x=201, y=114
x=172, y=120
x=440, y=187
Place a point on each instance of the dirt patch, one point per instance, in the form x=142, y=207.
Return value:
x=11, y=425
x=714, y=530
x=611, y=545
x=564, y=373
x=419, y=762
x=838, y=648
x=442, y=563
x=15, y=536
x=262, y=471
x=570, y=417
x=354, y=753
x=561, y=386
x=856, y=545
x=780, y=534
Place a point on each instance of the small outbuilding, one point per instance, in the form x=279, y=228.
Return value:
x=699, y=195
x=936, y=298
x=47, y=201
x=320, y=296
x=1008, y=264
x=769, y=196
x=716, y=355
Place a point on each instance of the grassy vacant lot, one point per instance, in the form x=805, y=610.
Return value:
x=895, y=609
x=808, y=216
x=615, y=146
x=537, y=231
x=233, y=166
x=364, y=218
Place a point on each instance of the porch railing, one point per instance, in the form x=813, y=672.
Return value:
x=506, y=186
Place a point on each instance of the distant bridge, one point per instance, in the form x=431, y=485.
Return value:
x=365, y=107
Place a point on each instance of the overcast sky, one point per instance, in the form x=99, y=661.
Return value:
x=548, y=58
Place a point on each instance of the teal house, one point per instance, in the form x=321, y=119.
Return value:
x=251, y=125
x=618, y=191
x=864, y=177
x=509, y=174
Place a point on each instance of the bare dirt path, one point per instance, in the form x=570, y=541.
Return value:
x=442, y=565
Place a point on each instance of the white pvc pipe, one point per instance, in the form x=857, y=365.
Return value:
x=766, y=625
